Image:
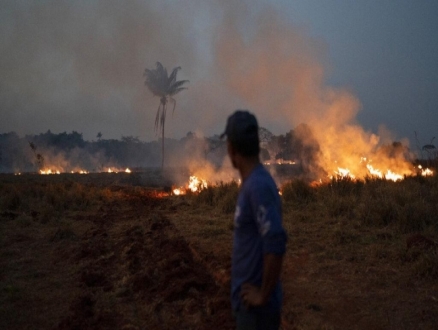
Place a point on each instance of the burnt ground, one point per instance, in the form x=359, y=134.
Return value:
x=121, y=266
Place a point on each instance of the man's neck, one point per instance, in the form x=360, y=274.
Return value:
x=247, y=167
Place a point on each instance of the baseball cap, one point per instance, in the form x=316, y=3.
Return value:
x=241, y=127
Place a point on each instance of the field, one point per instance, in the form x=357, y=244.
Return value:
x=115, y=251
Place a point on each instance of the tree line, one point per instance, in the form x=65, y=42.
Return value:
x=69, y=150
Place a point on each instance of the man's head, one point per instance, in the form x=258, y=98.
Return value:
x=242, y=132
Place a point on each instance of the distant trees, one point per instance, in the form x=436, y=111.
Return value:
x=298, y=144
x=15, y=153
x=429, y=150
x=64, y=141
x=69, y=151
x=165, y=87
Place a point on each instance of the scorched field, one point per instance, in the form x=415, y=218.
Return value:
x=112, y=251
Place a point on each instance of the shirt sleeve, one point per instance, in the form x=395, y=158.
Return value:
x=267, y=209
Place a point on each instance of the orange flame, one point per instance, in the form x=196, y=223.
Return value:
x=388, y=175
x=194, y=185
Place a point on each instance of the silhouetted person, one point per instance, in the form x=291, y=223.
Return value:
x=259, y=238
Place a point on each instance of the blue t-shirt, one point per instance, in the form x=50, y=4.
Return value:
x=257, y=231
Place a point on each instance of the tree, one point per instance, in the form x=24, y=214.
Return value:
x=164, y=86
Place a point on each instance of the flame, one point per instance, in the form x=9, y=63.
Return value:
x=194, y=185
x=393, y=176
x=344, y=173
x=79, y=172
x=388, y=175
x=425, y=172
x=49, y=171
x=115, y=170
x=178, y=191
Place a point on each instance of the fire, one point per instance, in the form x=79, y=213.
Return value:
x=79, y=172
x=388, y=175
x=178, y=191
x=49, y=171
x=195, y=185
x=114, y=170
x=344, y=173
x=425, y=172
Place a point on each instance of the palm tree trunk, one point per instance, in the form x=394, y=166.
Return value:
x=163, y=102
x=162, y=149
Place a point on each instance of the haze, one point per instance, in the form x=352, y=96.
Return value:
x=79, y=66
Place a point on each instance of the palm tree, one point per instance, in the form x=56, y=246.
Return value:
x=165, y=87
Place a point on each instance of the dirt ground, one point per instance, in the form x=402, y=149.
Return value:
x=121, y=266
x=137, y=260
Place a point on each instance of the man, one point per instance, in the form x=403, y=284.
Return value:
x=259, y=239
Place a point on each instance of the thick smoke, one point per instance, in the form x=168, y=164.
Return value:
x=278, y=71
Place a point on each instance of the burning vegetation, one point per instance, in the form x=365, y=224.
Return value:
x=297, y=154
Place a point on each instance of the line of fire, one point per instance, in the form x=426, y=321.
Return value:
x=204, y=160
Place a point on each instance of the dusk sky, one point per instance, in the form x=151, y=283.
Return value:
x=78, y=65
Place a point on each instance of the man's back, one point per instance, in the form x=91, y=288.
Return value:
x=258, y=231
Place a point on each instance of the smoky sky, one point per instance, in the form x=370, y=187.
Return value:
x=78, y=65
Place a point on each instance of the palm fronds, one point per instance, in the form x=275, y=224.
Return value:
x=161, y=84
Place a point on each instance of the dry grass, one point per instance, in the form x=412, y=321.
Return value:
x=348, y=263
x=361, y=255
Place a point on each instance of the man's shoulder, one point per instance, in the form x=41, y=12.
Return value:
x=261, y=176
x=261, y=183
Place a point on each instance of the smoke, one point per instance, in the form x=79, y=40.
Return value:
x=78, y=66
x=279, y=72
